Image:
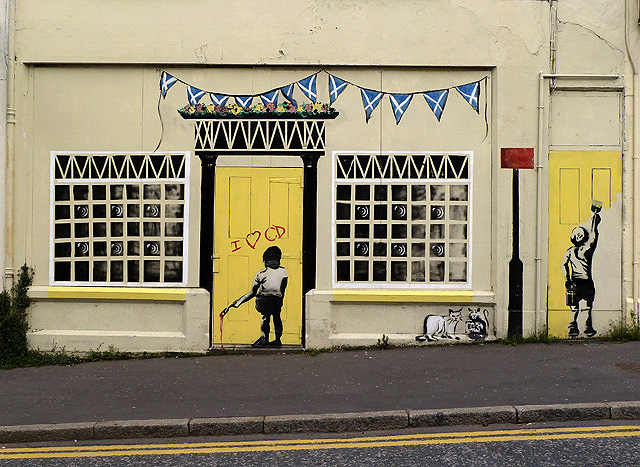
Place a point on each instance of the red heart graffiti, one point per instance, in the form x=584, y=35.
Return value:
x=256, y=234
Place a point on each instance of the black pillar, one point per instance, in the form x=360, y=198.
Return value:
x=515, y=266
x=207, y=191
x=309, y=203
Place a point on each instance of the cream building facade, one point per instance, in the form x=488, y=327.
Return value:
x=393, y=204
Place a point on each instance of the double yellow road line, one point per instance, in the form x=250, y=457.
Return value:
x=499, y=436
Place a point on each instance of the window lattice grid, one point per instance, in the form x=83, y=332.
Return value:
x=260, y=135
x=80, y=166
x=403, y=230
x=403, y=166
x=119, y=231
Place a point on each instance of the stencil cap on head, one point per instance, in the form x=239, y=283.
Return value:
x=579, y=235
x=273, y=253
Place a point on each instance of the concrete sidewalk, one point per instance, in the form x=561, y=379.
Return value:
x=361, y=387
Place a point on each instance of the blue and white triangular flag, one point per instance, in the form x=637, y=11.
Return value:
x=270, y=98
x=194, y=95
x=287, y=92
x=218, y=99
x=437, y=100
x=308, y=87
x=166, y=81
x=370, y=100
x=471, y=93
x=399, y=104
x=244, y=101
x=336, y=86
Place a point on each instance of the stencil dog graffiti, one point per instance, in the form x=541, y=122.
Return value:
x=576, y=267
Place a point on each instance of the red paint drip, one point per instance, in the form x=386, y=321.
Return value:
x=221, y=321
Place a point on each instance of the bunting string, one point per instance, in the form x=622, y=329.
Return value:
x=436, y=100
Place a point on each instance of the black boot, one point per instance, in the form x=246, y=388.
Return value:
x=573, y=329
x=262, y=342
x=276, y=342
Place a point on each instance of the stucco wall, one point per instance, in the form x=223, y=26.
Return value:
x=86, y=79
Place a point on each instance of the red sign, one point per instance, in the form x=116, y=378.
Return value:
x=516, y=158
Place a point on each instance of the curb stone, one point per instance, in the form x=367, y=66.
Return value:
x=625, y=410
x=562, y=412
x=472, y=416
x=47, y=432
x=142, y=429
x=327, y=422
x=226, y=426
x=336, y=422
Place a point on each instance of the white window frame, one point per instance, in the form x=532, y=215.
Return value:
x=71, y=181
x=402, y=285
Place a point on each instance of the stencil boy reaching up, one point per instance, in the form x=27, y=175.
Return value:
x=576, y=267
x=268, y=287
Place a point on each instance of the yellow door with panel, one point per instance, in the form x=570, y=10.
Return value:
x=256, y=208
x=585, y=242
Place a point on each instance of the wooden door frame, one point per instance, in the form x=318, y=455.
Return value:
x=309, y=224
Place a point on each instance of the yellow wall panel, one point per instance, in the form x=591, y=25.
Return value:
x=601, y=186
x=569, y=190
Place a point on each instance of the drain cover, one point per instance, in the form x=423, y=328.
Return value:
x=633, y=367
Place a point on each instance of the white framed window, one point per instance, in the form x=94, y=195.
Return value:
x=402, y=219
x=119, y=218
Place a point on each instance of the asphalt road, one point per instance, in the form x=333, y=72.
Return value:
x=273, y=383
x=549, y=445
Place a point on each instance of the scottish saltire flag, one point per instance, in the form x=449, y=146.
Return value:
x=194, y=95
x=166, y=81
x=437, y=100
x=336, y=86
x=244, y=101
x=471, y=93
x=287, y=92
x=370, y=100
x=270, y=98
x=218, y=99
x=399, y=104
x=308, y=87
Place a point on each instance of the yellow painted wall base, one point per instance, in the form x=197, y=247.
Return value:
x=407, y=296
x=116, y=293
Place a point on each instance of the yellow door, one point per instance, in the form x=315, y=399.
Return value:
x=256, y=208
x=576, y=179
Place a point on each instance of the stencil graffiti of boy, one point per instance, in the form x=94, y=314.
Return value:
x=268, y=288
x=577, y=271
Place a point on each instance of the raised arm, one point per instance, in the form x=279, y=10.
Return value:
x=593, y=231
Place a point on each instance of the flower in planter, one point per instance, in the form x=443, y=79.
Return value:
x=280, y=108
x=325, y=108
x=200, y=108
x=301, y=108
x=224, y=110
x=291, y=108
x=235, y=109
x=271, y=107
x=317, y=107
x=258, y=108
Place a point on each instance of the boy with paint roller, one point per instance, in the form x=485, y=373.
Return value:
x=268, y=287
